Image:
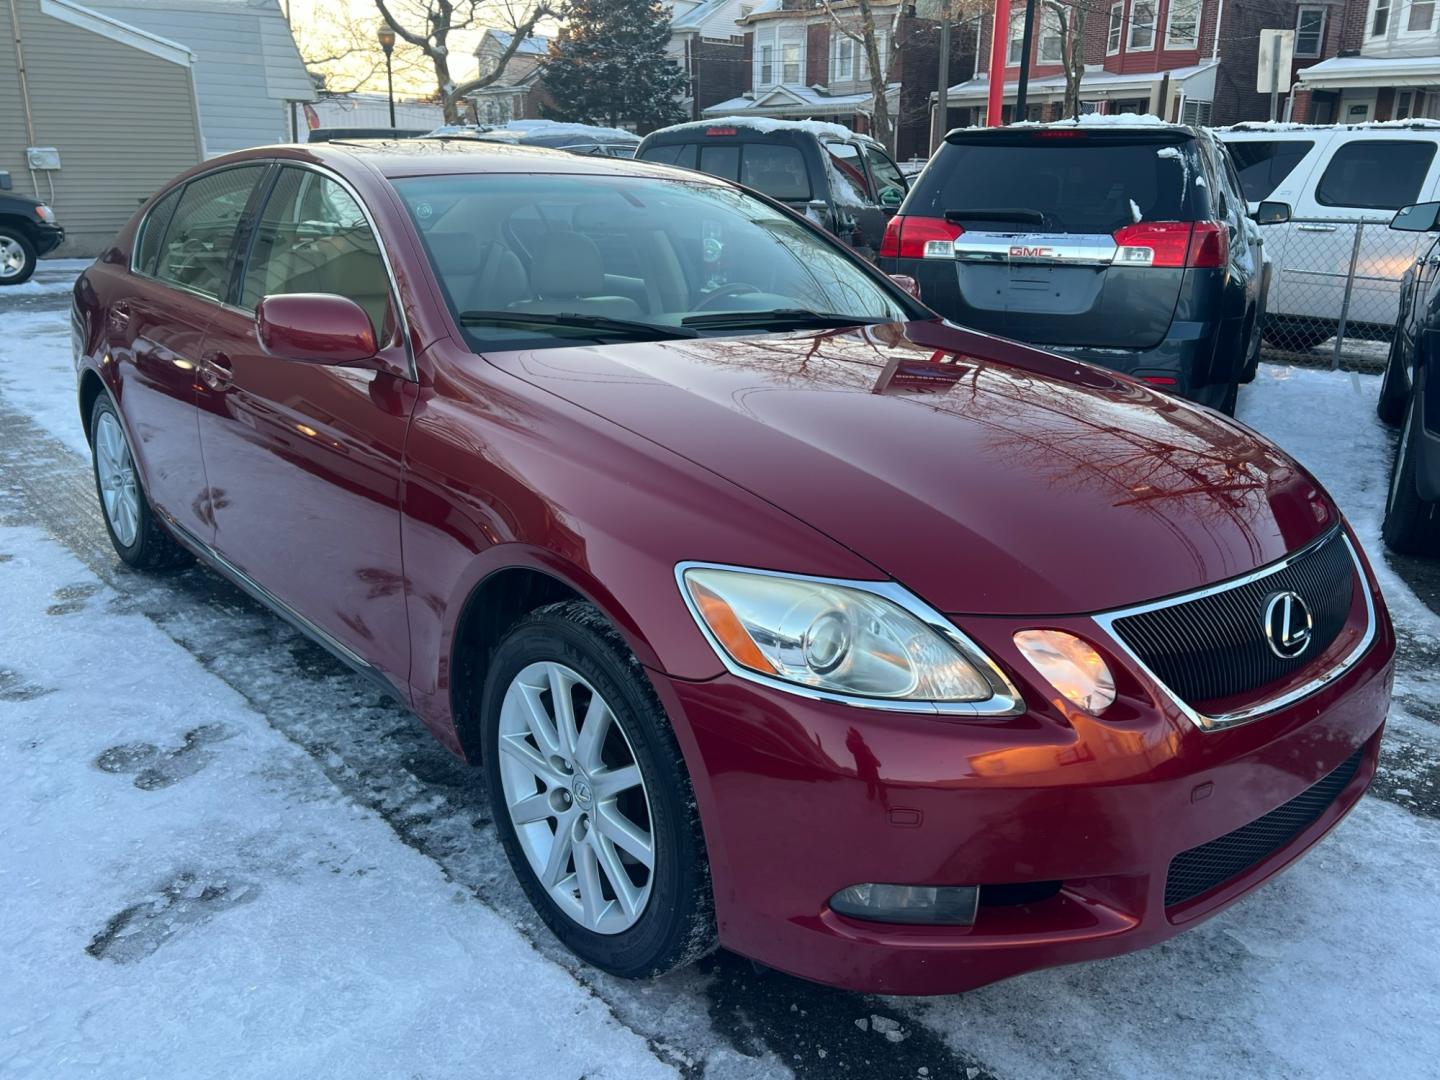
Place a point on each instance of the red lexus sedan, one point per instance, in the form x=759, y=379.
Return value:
x=781, y=614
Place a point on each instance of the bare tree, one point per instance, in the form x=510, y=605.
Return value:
x=342, y=49
x=1071, y=19
x=427, y=25
x=859, y=24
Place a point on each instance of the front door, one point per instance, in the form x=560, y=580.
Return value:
x=305, y=460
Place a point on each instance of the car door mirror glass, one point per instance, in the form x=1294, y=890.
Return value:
x=314, y=328
x=1421, y=217
x=1272, y=213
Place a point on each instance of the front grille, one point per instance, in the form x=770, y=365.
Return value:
x=1214, y=646
x=1203, y=868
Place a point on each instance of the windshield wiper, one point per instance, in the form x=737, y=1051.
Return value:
x=604, y=324
x=777, y=317
x=1013, y=213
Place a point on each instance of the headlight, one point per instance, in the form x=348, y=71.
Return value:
x=861, y=640
x=1071, y=665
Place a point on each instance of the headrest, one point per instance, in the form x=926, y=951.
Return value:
x=566, y=264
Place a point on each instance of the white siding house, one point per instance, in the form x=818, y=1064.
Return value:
x=247, y=68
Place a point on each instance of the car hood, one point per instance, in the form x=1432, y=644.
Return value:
x=988, y=477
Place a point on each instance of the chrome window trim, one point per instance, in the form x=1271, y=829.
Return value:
x=1005, y=699
x=1207, y=722
x=402, y=321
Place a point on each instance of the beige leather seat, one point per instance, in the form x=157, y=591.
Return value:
x=567, y=276
x=480, y=275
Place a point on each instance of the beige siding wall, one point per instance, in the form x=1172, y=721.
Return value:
x=123, y=120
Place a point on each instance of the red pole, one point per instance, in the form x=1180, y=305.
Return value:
x=999, y=44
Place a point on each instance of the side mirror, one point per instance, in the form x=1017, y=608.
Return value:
x=1418, y=218
x=908, y=283
x=1272, y=213
x=314, y=328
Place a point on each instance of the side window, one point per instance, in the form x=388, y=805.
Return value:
x=778, y=171
x=152, y=232
x=1373, y=175
x=846, y=158
x=313, y=238
x=196, y=250
x=889, y=180
x=663, y=155
x=1263, y=166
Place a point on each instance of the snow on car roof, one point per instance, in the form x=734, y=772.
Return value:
x=766, y=124
x=1286, y=125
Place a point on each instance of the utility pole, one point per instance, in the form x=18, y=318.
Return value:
x=999, y=36
x=1026, y=37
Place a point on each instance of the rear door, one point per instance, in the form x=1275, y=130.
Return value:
x=859, y=218
x=1070, y=237
x=1362, y=176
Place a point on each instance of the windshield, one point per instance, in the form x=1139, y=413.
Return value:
x=1060, y=185
x=529, y=261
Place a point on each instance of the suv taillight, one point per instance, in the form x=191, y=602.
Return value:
x=1200, y=244
x=920, y=238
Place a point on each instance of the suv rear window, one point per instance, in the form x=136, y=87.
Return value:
x=1263, y=166
x=777, y=169
x=1373, y=175
x=1078, y=185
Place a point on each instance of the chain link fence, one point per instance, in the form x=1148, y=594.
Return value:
x=1335, y=291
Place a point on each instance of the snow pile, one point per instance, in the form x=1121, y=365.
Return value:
x=555, y=127
x=766, y=124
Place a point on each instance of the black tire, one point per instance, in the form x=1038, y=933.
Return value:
x=1390, y=406
x=1293, y=334
x=677, y=924
x=27, y=253
x=1412, y=525
x=152, y=547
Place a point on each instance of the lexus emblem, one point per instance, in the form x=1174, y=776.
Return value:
x=1287, y=625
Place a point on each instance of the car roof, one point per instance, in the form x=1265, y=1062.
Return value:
x=395, y=158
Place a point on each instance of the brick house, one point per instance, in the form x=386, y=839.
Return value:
x=803, y=67
x=1190, y=60
x=1385, y=65
x=707, y=44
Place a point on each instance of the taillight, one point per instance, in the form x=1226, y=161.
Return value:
x=1200, y=244
x=919, y=238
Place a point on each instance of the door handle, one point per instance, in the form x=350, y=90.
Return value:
x=216, y=372
x=119, y=316
x=1315, y=228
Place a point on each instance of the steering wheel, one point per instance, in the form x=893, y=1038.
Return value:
x=730, y=288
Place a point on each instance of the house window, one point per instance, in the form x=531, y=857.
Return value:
x=1403, y=105
x=1309, y=31
x=1420, y=16
x=1182, y=26
x=1142, y=26
x=1380, y=20
x=767, y=65
x=1017, y=39
x=790, y=64
x=842, y=58
x=1117, y=21
x=1196, y=113
x=1051, y=38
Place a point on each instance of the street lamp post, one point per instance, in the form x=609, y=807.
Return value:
x=387, y=43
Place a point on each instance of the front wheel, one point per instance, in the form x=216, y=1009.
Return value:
x=591, y=796
x=1412, y=524
x=17, y=256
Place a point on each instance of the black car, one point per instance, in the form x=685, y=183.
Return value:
x=342, y=134
x=843, y=181
x=552, y=135
x=1410, y=396
x=27, y=231
x=1126, y=245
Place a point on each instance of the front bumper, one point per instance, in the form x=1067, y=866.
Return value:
x=800, y=799
x=46, y=237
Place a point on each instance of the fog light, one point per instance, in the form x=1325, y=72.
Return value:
x=1071, y=666
x=952, y=905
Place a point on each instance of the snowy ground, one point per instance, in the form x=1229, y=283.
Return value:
x=223, y=855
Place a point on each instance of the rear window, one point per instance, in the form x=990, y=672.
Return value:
x=1074, y=185
x=1263, y=166
x=1373, y=175
x=777, y=169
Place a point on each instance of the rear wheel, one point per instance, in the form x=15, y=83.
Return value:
x=136, y=534
x=591, y=797
x=17, y=256
x=1412, y=524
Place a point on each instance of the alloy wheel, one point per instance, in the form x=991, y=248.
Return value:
x=576, y=797
x=119, y=488
x=12, y=257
